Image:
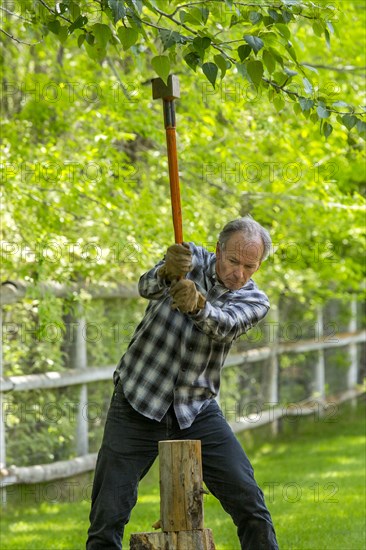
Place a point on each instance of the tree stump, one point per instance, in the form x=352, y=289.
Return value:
x=181, y=501
x=182, y=540
x=181, y=506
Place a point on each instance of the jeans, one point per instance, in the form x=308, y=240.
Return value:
x=128, y=450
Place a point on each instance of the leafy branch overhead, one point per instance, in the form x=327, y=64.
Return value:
x=254, y=40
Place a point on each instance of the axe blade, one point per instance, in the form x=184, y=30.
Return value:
x=167, y=91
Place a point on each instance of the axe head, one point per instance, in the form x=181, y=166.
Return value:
x=168, y=91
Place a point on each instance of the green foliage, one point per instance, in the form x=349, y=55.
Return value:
x=41, y=426
x=161, y=65
x=84, y=162
x=196, y=32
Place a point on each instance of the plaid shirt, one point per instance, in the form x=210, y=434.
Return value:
x=175, y=357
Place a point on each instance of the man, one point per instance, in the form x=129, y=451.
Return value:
x=166, y=382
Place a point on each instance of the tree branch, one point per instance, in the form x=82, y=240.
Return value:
x=296, y=94
x=274, y=5
x=281, y=5
x=17, y=39
x=347, y=69
x=54, y=12
x=179, y=23
x=15, y=15
x=116, y=74
x=188, y=5
x=232, y=60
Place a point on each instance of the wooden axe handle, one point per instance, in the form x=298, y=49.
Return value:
x=174, y=184
x=168, y=92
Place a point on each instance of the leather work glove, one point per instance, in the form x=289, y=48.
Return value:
x=186, y=297
x=178, y=262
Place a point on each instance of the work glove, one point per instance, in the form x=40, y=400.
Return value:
x=178, y=262
x=186, y=297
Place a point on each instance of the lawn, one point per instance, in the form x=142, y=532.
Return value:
x=312, y=475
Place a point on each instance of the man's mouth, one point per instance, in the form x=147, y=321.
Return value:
x=233, y=284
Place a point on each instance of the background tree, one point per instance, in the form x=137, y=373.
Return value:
x=84, y=181
x=257, y=41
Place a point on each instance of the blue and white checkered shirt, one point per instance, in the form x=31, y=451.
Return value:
x=177, y=358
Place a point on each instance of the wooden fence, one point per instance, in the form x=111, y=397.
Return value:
x=83, y=375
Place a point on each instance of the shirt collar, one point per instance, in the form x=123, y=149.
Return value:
x=212, y=275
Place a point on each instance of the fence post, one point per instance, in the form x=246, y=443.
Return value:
x=319, y=382
x=273, y=373
x=2, y=411
x=80, y=361
x=352, y=374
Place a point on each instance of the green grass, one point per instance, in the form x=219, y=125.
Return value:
x=312, y=475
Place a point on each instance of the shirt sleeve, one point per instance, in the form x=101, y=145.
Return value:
x=151, y=285
x=236, y=317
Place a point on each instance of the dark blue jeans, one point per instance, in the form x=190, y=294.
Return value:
x=129, y=448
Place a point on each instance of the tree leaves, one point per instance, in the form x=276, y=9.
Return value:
x=255, y=17
x=361, y=127
x=222, y=64
x=349, y=121
x=170, y=38
x=322, y=111
x=54, y=26
x=279, y=102
x=327, y=129
x=200, y=45
x=73, y=9
x=244, y=51
x=79, y=22
x=282, y=149
x=306, y=104
x=284, y=30
x=203, y=35
x=63, y=34
x=118, y=9
x=161, y=65
x=192, y=59
x=307, y=86
x=102, y=34
x=255, y=71
x=128, y=36
x=269, y=61
x=195, y=16
x=254, y=42
x=210, y=70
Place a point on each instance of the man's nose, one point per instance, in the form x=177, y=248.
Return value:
x=239, y=273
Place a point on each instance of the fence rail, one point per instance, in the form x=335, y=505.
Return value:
x=83, y=375
x=52, y=380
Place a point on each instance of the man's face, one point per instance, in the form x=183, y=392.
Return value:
x=238, y=259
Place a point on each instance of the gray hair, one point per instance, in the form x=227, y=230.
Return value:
x=250, y=228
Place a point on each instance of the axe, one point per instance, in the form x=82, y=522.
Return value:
x=168, y=93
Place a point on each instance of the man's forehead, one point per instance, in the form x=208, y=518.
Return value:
x=244, y=246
